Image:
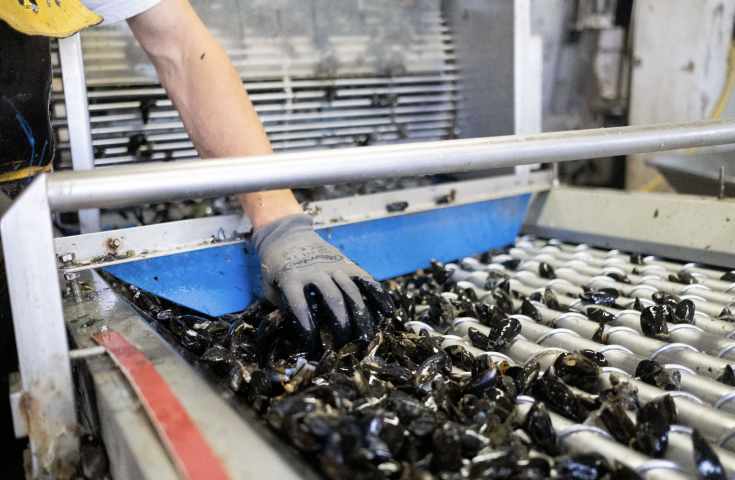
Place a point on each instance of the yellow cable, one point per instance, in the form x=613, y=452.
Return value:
x=23, y=173
x=653, y=184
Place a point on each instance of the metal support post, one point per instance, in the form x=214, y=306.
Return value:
x=77, y=115
x=46, y=403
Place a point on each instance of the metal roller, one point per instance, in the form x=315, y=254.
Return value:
x=708, y=390
x=717, y=426
x=579, y=438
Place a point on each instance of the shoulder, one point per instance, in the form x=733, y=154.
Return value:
x=117, y=10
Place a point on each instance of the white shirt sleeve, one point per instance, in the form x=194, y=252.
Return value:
x=116, y=10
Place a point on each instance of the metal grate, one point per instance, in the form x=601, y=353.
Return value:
x=407, y=93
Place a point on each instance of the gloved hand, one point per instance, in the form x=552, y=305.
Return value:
x=299, y=268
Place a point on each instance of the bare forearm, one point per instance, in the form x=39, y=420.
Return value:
x=209, y=96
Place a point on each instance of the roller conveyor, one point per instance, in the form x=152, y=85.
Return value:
x=707, y=352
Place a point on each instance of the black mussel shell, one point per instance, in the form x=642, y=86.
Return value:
x=546, y=271
x=583, y=466
x=379, y=346
x=600, y=336
x=602, y=296
x=683, y=277
x=511, y=264
x=181, y=323
x=502, y=333
x=668, y=312
x=440, y=272
x=427, y=346
x=525, y=379
x=460, y=356
x=467, y=294
x=596, y=357
x=728, y=277
x=218, y=331
x=357, y=348
x=430, y=369
x=637, y=258
x=472, y=442
x=538, y=427
x=652, y=436
x=557, y=397
x=394, y=373
x=529, y=310
x=667, y=406
x=684, y=312
x=550, y=300
x=221, y=359
x=665, y=298
x=618, y=277
x=494, y=279
x=600, y=315
x=146, y=301
x=328, y=364
x=270, y=327
x=617, y=422
x=575, y=369
x=726, y=315
x=481, y=363
x=477, y=338
x=705, y=458
x=654, y=373
x=536, y=297
x=727, y=376
x=195, y=340
x=503, y=301
x=637, y=305
x=653, y=323
x=489, y=315
x=239, y=377
x=258, y=390
x=481, y=383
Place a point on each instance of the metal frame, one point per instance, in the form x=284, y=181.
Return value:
x=197, y=234
x=29, y=250
x=77, y=117
x=662, y=224
x=133, y=446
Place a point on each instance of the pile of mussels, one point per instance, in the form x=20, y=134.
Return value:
x=401, y=407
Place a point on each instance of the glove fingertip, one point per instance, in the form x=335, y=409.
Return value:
x=375, y=294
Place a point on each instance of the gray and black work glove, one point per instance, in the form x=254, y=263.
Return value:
x=301, y=270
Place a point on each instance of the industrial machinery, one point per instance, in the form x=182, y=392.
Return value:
x=420, y=81
x=483, y=214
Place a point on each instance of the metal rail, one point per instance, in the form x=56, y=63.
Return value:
x=207, y=178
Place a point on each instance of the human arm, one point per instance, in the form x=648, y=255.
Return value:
x=221, y=122
x=209, y=96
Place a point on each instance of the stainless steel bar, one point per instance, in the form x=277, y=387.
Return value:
x=77, y=114
x=208, y=178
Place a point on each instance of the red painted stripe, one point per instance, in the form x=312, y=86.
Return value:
x=186, y=445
